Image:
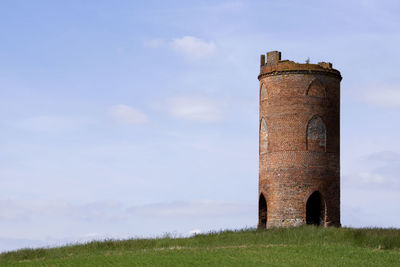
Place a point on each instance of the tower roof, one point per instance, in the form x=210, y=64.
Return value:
x=276, y=66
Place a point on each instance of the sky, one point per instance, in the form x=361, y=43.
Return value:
x=128, y=119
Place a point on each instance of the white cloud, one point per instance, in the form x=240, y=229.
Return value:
x=125, y=114
x=192, y=47
x=384, y=96
x=194, y=108
x=194, y=232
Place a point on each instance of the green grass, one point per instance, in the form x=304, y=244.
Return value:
x=303, y=246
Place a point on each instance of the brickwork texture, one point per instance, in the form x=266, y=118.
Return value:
x=299, y=143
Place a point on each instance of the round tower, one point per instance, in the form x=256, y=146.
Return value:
x=299, y=145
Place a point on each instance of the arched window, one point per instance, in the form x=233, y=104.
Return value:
x=263, y=93
x=262, y=212
x=263, y=136
x=316, y=88
x=315, y=209
x=316, y=135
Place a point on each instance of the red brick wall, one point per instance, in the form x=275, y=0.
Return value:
x=295, y=162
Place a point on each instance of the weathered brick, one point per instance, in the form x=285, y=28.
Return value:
x=299, y=149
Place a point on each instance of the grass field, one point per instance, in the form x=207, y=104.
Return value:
x=303, y=246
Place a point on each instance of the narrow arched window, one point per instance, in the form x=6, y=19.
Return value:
x=316, y=134
x=316, y=88
x=263, y=136
x=263, y=93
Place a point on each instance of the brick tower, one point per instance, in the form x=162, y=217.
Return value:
x=299, y=149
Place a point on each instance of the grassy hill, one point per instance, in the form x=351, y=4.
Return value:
x=303, y=246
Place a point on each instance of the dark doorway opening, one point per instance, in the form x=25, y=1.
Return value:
x=315, y=209
x=262, y=212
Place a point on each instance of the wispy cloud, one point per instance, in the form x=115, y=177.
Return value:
x=154, y=43
x=193, y=108
x=192, y=47
x=204, y=209
x=378, y=170
x=371, y=178
x=384, y=156
x=384, y=96
x=14, y=210
x=50, y=123
x=125, y=114
x=44, y=222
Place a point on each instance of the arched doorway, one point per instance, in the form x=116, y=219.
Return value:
x=315, y=209
x=262, y=212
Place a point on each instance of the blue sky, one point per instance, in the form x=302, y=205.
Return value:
x=124, y=119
